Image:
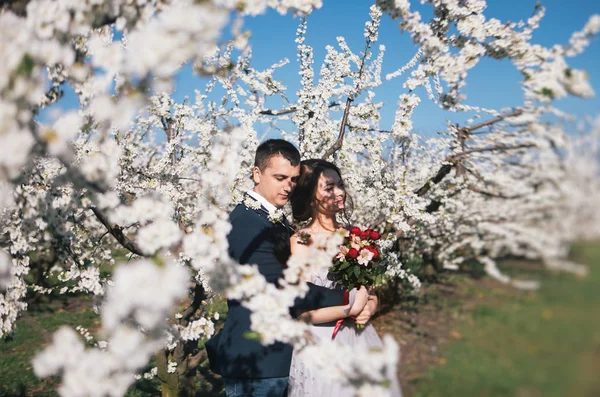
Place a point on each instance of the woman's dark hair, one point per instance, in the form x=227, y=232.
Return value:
x=306, y=189
x=275, y=147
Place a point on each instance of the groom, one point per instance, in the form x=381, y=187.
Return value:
x=257, y=237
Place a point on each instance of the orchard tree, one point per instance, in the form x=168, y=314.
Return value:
x=127, y=196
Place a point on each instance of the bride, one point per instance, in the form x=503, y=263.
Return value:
x=319, y=197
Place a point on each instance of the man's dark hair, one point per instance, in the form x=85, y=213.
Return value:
x=274, y=147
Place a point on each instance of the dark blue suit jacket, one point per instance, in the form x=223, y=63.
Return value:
x=256, y=240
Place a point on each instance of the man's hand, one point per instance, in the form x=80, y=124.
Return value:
x=370, y=308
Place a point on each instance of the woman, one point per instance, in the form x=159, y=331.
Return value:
x=319, y=198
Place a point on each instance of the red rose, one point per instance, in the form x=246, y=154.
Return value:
x=355, y=231
x=353, y=253
x=365, y=234
x=375, y=235
x=374, y=250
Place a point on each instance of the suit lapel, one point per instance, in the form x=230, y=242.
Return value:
x=256, y=206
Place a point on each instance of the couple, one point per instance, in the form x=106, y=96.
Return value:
x=316, y=191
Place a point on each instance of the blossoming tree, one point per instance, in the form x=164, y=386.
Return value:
x=127, y=196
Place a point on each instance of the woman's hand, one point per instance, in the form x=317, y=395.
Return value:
x=360, y=300
x=370, y=308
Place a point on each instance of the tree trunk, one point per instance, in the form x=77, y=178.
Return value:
x=181, y=383
x=178, y=387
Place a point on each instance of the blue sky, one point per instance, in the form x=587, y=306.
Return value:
x=491, y=83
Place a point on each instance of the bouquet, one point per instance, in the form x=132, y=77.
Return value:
x=359, y=260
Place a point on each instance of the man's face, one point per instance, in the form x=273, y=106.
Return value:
x=277, y=181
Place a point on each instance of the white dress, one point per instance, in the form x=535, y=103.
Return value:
x=307, y=381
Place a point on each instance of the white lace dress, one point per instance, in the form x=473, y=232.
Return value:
x=306, y=380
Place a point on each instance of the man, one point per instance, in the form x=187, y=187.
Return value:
x=257, y=237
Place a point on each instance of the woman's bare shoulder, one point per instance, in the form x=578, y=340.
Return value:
x=301, y=237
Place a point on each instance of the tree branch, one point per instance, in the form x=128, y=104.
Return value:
x=337, y=145
x=500, y=147
x=19, y=7
x=494, y=195
x=199, y=296
x=441, y=174
x=271, y=112
x=197, y=358
x=293, y=109
x=492, y=121
x=117, y=233
x=446, y=168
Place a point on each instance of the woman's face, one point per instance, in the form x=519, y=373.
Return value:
x=330, y=193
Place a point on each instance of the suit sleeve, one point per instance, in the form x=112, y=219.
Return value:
x=318, y=297
x=242, y=239
x=250, y=241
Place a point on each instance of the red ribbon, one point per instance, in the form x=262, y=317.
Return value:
x=338, y=323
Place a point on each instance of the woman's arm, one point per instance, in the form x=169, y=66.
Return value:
x=317, y=296
x=334, y=313
x=298, y=248
x=330, y=313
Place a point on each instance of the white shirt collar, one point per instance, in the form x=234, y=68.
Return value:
x=263, y=201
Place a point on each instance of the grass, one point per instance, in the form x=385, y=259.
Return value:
x=525, y=344
x=34, y=331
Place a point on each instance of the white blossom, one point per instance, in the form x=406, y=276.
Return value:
x=172, y=367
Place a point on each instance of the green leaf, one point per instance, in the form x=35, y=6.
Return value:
x=26, y=66
x=568, y=73
x=547, y=92
x=158, y=261
x=356, y=271
x=251, y=335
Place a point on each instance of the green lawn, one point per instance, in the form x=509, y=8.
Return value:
x=526, y=344
x=34, y=331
